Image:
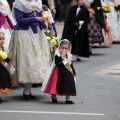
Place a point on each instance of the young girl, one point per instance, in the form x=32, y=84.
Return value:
x=5, y=79
x=60, y=77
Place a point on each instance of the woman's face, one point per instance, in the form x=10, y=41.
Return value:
x=2, y=39
x=80, y=2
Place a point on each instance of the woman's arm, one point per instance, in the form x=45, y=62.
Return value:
x=22, y=20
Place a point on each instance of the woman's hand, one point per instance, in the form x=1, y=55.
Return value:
x=40, y=19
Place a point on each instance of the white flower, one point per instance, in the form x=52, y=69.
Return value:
x=81, y=22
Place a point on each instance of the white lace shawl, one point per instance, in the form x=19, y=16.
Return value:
x=28, y=6
x=5, y=10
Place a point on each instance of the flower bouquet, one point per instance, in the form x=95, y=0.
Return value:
x=53, y=42
x=105, y=8
x=3, y=56
x=80, y=23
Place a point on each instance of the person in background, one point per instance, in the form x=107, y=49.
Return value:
x=7, y=21
x=76, y=30
x=73, y=3
x=45, y=2
x=95, y=26
x=113, y=18
x=57, y=5
x=52, y=8
x=64, y=9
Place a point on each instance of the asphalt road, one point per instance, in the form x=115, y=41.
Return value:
x=98, y=92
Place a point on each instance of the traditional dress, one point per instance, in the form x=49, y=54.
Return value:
x=5, y=78
x=77, y=36
x=6, y=21
x=29, y=48
x=95, y=34
x=60, y=77
x=113, y=19
x=106, y=33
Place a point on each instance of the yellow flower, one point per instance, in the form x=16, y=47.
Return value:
x=46, y=14
x=53, y=42
x=48, y=31
x=48, y=38
x=54, y=37
x=3, y=55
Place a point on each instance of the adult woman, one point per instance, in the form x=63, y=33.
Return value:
x=6, y=21
x=29, y=48
x=113, y=18
x=96, y=22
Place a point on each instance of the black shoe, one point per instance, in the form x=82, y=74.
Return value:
x=32, y=97
x=1, y=100
x=90, y=53
x=54, y=100
x=26, y=97
x=69, y=102
x=78, y=59
x=36, y=85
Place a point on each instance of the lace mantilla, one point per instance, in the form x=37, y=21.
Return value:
x=28, y=6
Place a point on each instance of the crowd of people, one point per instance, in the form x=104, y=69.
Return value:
x=23, y=37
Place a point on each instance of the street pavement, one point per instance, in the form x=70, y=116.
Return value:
x=98, y=92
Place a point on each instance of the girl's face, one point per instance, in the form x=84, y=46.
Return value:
x=80, y=2
x=2, y=39
x=64, y=48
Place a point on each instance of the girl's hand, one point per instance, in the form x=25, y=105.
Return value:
x=40, y=19
x=11, y=63
x=63, y=54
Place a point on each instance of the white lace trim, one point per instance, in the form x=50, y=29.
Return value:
x=57, y=52
x=28, y=6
